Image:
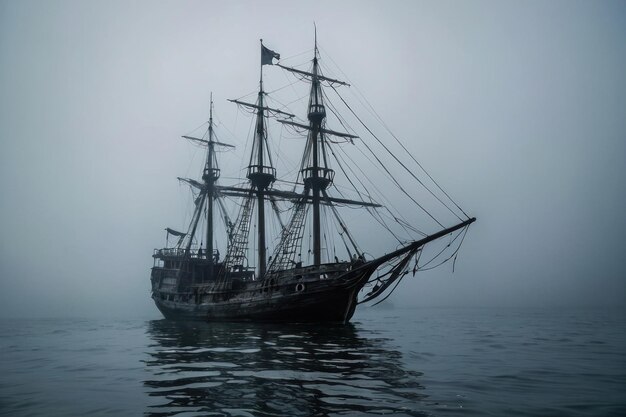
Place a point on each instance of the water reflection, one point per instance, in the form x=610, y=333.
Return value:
x=268, y=370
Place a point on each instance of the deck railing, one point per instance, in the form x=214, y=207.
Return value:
x=179, y=253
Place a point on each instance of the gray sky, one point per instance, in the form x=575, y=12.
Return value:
x=517, y=108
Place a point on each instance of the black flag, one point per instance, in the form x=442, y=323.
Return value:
x=267, y=55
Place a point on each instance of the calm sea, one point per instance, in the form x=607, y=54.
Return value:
x=413, y=362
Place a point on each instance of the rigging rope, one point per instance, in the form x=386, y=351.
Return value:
x=341, y=223
x=382, y=122
x=464, y=232
x=380, y=196
x=380, y=221
x=398, y=161
x=413, y=158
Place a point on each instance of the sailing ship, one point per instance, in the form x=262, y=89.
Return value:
x=192, y=283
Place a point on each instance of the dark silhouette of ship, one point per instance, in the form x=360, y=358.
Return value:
x=192, y=283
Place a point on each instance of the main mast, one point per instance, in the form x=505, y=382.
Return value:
x=261, y=173
x=210, y=176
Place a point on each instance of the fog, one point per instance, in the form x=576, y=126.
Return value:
x=518, y=109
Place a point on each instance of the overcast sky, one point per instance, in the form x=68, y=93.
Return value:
x=517, y=108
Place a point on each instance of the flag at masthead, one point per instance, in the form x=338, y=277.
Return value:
x=267, y=55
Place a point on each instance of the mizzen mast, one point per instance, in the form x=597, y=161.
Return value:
x=210, y=175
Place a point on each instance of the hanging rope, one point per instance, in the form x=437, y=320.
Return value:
x=398, y=161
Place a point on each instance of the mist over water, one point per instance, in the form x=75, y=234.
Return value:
x=515, y=107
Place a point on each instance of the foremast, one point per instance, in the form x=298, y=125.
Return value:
x=316, y=173
x=316, y=177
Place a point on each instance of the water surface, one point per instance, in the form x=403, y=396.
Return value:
x=413, y=362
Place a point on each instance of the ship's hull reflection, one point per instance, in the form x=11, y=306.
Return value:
x=264, y=369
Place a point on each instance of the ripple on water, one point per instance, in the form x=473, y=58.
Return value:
x=285, y=370
x=422, y=362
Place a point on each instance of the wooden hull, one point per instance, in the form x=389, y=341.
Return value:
x=335, y=306
x=313, y=300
